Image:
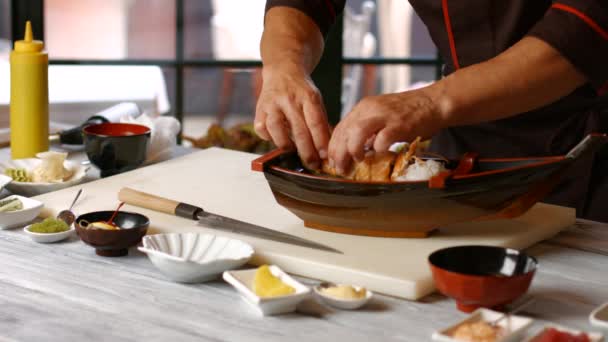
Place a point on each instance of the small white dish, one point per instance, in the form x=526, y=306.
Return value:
x=593, y=337
x=193, y=257
x=344, y=304
x=242, y=281
x=34, y=189
x=19, y=218
x=599, y=317
x=49, y=237
x=514, y=326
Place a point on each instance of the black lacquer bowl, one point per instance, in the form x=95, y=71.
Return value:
x=112, y=243
x=116, y=147
x=475, y=189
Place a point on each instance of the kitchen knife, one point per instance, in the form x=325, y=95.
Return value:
x=213, y=221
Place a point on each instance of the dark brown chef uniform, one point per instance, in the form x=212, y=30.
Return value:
x=467, y=32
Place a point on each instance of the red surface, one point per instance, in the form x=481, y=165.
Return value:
x=116, y=129
x=554, y=335
x=472, y=292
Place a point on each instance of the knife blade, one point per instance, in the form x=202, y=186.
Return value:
x=214, y=221
x=231, y=225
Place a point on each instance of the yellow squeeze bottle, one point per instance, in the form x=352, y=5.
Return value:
x=29, y=97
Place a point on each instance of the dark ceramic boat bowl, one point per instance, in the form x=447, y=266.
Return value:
x=482, y=276
x=475, y=189
x=112, y=243
x=116, y=147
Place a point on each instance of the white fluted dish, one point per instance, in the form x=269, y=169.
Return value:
x=194, y=257
x=33, y=189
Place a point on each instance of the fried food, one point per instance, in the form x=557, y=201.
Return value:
x=404, y=159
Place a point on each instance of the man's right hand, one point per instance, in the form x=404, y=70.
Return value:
x=291, y=114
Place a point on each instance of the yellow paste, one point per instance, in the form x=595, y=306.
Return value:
x=344, y=292
x=265, y=284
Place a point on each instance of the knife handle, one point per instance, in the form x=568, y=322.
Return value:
x=160, y=204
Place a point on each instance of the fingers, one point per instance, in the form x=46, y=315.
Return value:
x=259, y=124
x=301, y=136
x=316, y=120
x=277, y=127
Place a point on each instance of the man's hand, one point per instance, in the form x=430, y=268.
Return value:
x=379, y=121
x=290, y=112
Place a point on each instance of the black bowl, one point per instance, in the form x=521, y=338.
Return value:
x=133, y=227
x=482, y=276
x=116, y=147
x=477, y=189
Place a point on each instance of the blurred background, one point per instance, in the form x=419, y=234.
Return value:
x=199, y=59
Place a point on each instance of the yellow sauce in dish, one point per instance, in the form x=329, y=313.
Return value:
x=344, y=292
x=266, y=284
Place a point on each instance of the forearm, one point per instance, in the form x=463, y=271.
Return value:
x=527, y=76
x=291, y=41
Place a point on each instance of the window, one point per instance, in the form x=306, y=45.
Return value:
x=208, y=53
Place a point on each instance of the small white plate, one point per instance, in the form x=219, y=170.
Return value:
x=49, y=237
x=593, y=337
x=19, y=218
x=242, y=281
x=599, y=317
x=194, y=257
x=515, y=326
x=344, y=304
x=34, y=189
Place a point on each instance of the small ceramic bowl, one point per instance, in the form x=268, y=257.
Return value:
x=193, y=257
x=482, y=276
x=33, y=189
x=112, y=243
x=593, y=336
x=116, y=147
x=514, y=326
x=48, y=237
x=31, y=210
x=242, y=281
x=344, y=304
x=599, y=317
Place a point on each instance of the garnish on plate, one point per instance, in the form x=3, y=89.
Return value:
x=346, y=292
x=556, y=335
x=48, y=226
x=266, y=284
x=480, y=331
x=18, y=175
x=10, y=204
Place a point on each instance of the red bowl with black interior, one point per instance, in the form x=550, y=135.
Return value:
x=482, y=276
x=116, y=147
x=476, y=189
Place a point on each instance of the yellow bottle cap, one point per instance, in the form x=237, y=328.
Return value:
x=28, y=44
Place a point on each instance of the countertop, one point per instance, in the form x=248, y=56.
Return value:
x=64, y=292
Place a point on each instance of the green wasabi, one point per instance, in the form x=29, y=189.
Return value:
x=49, y=225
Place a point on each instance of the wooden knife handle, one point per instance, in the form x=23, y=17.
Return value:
x=156, y=203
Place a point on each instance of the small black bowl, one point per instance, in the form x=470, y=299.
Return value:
x=482, y=276
x=113, y=243
x=116, y=147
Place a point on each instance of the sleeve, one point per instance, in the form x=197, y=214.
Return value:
x=322, y=12
x=578, y=29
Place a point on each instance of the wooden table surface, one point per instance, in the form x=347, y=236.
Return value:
x=64, y=292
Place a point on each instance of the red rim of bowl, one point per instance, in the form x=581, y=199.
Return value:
x=111, y=129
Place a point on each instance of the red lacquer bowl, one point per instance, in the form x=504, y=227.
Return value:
x=482, y=276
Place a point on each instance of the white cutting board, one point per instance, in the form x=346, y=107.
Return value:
x=221, y=182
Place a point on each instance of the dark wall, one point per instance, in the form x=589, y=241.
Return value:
x=5, y=18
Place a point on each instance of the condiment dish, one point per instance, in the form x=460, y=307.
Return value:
x=193, y=257
x=19, y=218
x=599, y=317
x=112, y=243
x=29, y=189
x=513, y=326
x=48, y=237
x=482, y=276
x=593, y=336
x=339, y=303
x=242, y=281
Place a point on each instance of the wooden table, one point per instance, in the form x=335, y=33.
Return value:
x=64, y=292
